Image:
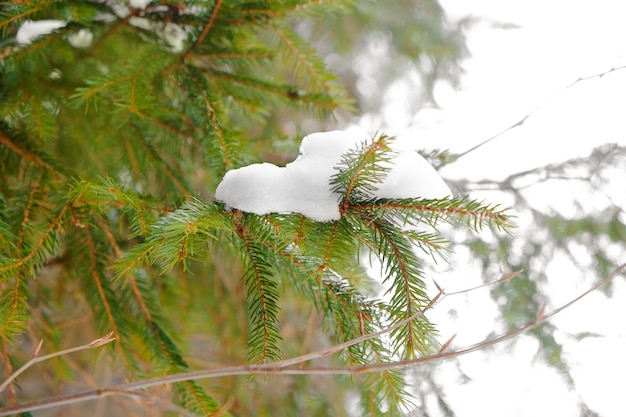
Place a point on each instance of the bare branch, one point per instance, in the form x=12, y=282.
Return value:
x=523, y=119
x=284, y=367
x=36, y=359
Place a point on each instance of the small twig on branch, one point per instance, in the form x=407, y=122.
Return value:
x=36, y=359
x=523, y=119
x=283, y=367
x=504, y=278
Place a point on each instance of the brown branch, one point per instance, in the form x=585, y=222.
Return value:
x=28, y=155
x=53, y=226
x=206, y=29
x=36, y=359
x=284, y=367
x=521, y=121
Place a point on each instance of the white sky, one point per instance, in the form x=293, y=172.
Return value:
x=511, y=73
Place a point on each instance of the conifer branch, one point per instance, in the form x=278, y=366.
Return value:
x=171, y=174
x=27, y=155
x=475, y=214
x=40, y=6
x=207, y=27
x=278, y=368
x=407, y=288
x=53, y=227
x=8, y=371
x=218, y=131
x=97, y=280
x=303, y=59
x=263, y=296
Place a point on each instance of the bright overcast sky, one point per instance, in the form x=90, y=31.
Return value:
x=511, y=73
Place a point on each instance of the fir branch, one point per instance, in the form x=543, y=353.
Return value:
x=407, y=288
x=206, y=29
x=463, y=210
x=105, y=293
x=27, y=11
x=14, y=314
x=285, y=367
x=27, y=154
x=262, y=295
x=211, y=113
x=42, y=246
x=151, y=150
x=360, y=171
x=305, y=57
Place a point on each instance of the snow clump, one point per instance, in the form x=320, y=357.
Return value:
x=31, y=30
x=303, y=186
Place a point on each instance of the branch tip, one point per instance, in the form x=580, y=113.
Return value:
x=107, y=338
x=541, y=313
x=510, y=276
x=446, y=345
x=37, y=349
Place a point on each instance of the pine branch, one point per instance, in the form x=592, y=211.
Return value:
x=361, y=171
x=27, y=154
x=262, y=295
x=472, y=213
x=403, y=273
x=40, y=249
x=152, y=151
x=285, y=367
x=207, y=27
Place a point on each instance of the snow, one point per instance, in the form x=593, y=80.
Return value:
x=139, y=4
x=81, y=39
x=303, y=186
x=31, y=30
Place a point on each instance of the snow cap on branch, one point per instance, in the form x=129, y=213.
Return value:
x=31, y=30
x=303, y=186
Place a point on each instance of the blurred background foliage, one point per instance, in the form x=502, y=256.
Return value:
x=276, y=71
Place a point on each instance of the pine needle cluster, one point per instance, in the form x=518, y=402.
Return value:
x=109, y=153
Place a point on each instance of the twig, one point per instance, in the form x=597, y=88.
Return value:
x=36, y=359
x=282, y=367
x=486, y=284
x=523, y=119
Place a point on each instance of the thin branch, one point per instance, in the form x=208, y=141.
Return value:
x=107, y=338
x=206, y=29
x=523, y=119
x=28, y=155
x=504, y=278
x=282, y=367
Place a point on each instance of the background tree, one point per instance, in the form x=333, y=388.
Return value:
x=116, y=129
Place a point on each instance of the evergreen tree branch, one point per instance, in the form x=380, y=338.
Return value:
x=28, y=155
x=104, y=292
x=278, y=368
x=41, y=5
x=8, y=371
x=40, y=246
x=211, y=113
x=263, y=296
x=207, y=28
x=154, y=154
x=407, y=289
x=473, y=213
x=305, y=58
